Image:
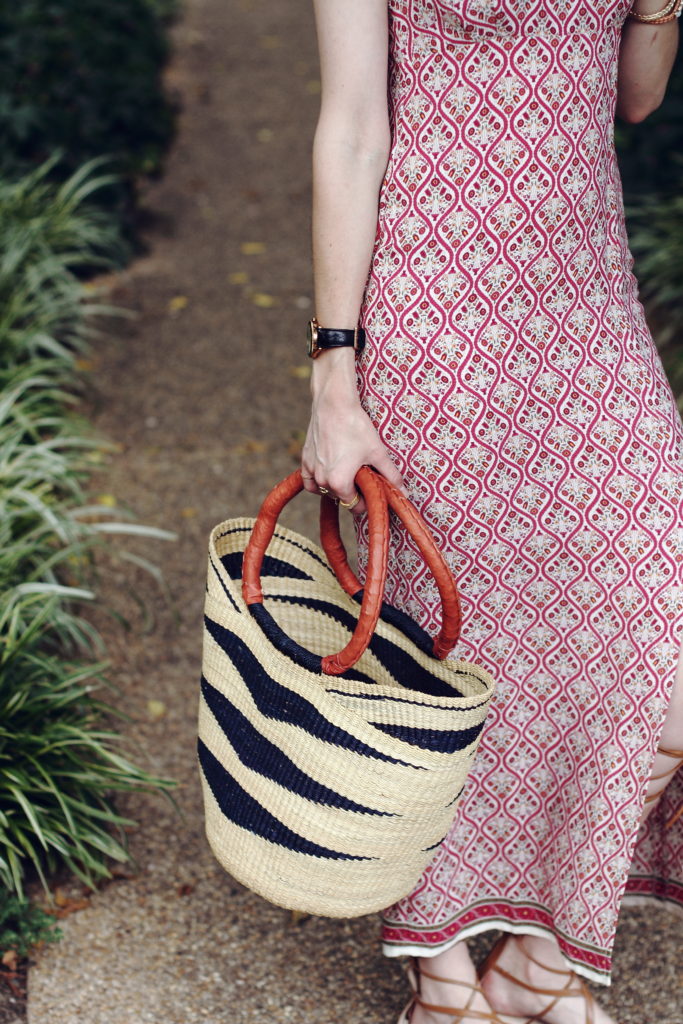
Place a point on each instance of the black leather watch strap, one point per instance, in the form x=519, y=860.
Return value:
x=321, y=338
x=330, y=338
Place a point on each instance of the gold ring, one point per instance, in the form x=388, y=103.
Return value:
x=323, y=490
x=351, y=504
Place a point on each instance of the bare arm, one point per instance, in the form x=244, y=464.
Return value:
x=645, y=61
x=350, y=152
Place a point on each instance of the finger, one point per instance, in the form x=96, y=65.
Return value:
x=308, y=479
x=385, y=465
x=358, y=508
x=348, y=493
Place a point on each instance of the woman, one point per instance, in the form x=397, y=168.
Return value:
x=472, y=222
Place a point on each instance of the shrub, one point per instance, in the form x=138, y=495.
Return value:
x=652, y=174
x=23, y=926
x=59, y=765
x=85, y=79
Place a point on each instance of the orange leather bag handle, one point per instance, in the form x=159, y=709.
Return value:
x=421, y=534
x=369, y=483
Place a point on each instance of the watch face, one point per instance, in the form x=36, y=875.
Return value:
x=312, y=337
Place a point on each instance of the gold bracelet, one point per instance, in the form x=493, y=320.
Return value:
x=670, y=11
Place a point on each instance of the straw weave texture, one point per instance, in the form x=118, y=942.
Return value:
x=325, y=794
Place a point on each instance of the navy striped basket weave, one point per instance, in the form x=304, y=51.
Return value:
x=324, y=793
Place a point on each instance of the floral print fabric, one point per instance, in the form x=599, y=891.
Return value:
x=510, y=372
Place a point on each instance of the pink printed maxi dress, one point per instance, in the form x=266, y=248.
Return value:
x=511, y=375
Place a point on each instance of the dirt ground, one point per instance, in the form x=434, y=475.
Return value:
x=206, y=396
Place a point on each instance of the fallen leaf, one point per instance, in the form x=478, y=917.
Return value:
x=313, y=86
x=106, y=499
x=67, y=904
x=303, y=370
x=177, y=303
x=61, y=898
x=156, y=709
x=188, y=512
x=256, y=446
x=250, y=447
x=120, y=873
x=264, y=134
x=263, y=300
x=10, y=959
x=72, y=907
x=252, y=248
x=296, y=443
x=238, y=277
x=84, y=365
x=185, y=889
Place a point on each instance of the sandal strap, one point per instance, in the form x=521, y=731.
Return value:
x=558, y=993
x=669, y=752
x=665, y=774
x=678, y=755
x=449, y=981
x=458, y=1013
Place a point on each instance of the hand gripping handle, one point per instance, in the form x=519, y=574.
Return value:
x=421, y=534
x=369, y=483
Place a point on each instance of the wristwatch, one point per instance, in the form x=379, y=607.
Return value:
x=321, y=338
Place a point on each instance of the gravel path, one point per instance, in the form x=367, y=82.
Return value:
x=206, y=396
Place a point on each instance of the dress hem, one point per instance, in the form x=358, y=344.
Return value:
x=476, y=928
x=401, y=939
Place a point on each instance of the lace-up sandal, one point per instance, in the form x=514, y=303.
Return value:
x=678, y=755
x=575, y=986
x=454, y=1014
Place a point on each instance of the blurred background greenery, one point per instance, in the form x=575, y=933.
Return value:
x=651, y=163
x=85, y=79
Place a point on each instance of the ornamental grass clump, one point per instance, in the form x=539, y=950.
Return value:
x=60, y=763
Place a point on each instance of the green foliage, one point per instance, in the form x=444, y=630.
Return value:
x=23, y=925
x=46, y=236
x=58, y=764
x=85, y=79
x=656, y=236
x=166, y=10
x=652, y=173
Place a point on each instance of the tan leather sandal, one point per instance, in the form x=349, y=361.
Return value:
x=678, y=755
x=454, y=1014
x=575, y=986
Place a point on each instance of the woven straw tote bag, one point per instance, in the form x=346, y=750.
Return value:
x=333, y=744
